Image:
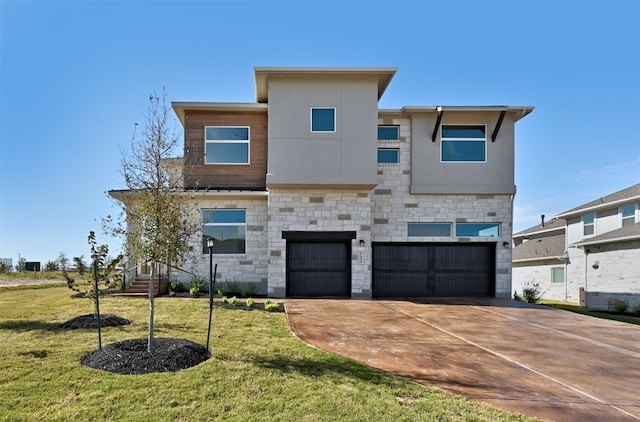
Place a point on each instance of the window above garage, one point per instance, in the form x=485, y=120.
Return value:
x=464, y=144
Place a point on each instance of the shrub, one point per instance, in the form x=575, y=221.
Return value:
x=250, y=291
x=516, y=296
x=233, y=288
x=233, y=301
x=176, y=287
x=195, y=286
x=251, y=303
x=271, y=306
x=636, y=308
x=620, y=305
x=531, y=292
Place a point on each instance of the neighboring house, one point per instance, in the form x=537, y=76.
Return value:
x=313, y=191
x=588, y=255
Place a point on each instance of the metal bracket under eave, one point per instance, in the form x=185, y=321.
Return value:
x=497, y=128
x=437, y=128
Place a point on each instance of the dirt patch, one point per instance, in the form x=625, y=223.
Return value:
x=130, y=357
x=89, y=321
x=29, y=282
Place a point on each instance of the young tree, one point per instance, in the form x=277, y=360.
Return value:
x=101, y=273
x=157, y=224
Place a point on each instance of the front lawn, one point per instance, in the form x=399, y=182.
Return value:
x=259, y=371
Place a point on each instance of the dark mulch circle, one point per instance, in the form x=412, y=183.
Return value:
x=130, y=357
x=89, y=321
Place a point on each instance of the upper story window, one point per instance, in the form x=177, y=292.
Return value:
x=228, y=229
x=388, y=133
x=628, y=215
x=388, y=155
x=226, y=145
x=429, y=229
x=464, y=143
x=588, y=224
x=477, y=229
x=323, y=119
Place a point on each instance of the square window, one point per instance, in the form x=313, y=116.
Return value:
x=226, y=145
x=557, y=275
x=477, y=229
x=323, y=119
x=388, y=133
x=388, y=155
x=429, y=230
x=227, y=227
x=628, y=215
x=463, y=144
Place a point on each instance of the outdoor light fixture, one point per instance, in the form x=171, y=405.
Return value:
x=210, y=246
x=361, y=242
x=505, y=244
x=210, y=243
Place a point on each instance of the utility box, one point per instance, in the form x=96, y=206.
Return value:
x=32, y=266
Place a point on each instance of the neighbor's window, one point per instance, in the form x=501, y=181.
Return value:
x=388, y=133
x=628, y=215
x=557, y=275
x=388, y=155
x=323, y=119
x=464, y=143
x=227, y=227
x=588, y=224
x=477, y=229
x=226, y=145
x=429, y=230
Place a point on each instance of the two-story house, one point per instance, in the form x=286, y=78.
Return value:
x=313, y=191
x=589, y=254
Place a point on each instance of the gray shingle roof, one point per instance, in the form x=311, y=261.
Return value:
x=630, y=192
x=555, y=223
x=540, y=248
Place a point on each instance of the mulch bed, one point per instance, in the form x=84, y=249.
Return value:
x=89, y=321
x=130, y=357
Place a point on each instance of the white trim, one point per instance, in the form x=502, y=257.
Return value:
x=632, y=216
x=588, y=224
x=390, y=140
x=202, y=210
x=335, y=119
x=605, y=205
x=228, y=141
x=486, y=149
x=397, y=150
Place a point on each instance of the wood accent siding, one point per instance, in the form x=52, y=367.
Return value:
x=216, y=176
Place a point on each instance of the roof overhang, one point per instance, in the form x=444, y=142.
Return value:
x=543, y=258
x=127, y=194
x=263, y=75
x=602, y=206
x=181, y=107
x=586, y=243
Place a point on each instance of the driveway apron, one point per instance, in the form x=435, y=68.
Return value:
x=535, y=360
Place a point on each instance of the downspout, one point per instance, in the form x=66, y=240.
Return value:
x=586, y=269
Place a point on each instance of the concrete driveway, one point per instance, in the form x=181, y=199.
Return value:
x=535, y=360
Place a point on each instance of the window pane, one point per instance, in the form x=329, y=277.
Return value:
x=388, y=156
x=451, y=131
x=557, y=275
x=628, y=210
x=588, y=230
x=477, y=230
x=388, y=133
x=323, y=120
x=227, y=133
x=429, y=230
x=463, y=151
x=227, y=153
x=227, y=239
x=223, y=216
x=588, y=219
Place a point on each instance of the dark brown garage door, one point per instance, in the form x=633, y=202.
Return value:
x=433, y=269
x=318, y=264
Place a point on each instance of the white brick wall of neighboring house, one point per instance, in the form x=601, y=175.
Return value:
x=244, y=269
x=393, y=207
x=541, y=274
x=319, y=210
x=616, y=278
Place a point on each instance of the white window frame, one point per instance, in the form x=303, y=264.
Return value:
x=585, y=225
x=390, y=140
x=335, y=119
x=393, y=163
x=227, y=225
x=228, y=141
x=553, y=269
x=443, y=139
x=631, y=217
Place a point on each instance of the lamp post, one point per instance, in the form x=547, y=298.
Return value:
x=210, y=247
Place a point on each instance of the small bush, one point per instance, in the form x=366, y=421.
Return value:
x=531, y=292
x=195, y=286
x=225, y=299
x=233, y=288
x=620, y=305
x=270, y=305
x=516, y=296
x=233, y=301
x=176, y=287
x=250, y=291
x=251, y=303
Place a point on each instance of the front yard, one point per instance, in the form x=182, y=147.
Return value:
x=258, y=371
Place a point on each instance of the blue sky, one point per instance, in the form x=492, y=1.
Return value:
x=75, y=77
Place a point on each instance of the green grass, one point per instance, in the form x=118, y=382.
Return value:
x=259, y=371
x=628, y=318
x=33, y=275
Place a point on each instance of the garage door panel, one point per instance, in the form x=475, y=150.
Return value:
x=317, y=256
x=318, y=284
x=318, y=269
x=433, y=269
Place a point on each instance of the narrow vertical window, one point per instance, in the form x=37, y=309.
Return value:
x=628, y=215
x=588, y=224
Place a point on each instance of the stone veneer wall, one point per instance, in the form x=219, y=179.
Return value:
x=393, y=206
x=319, y=210
x=244, y=269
